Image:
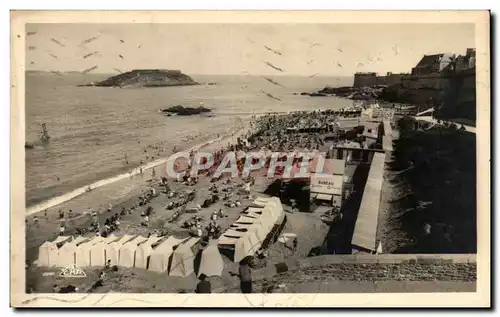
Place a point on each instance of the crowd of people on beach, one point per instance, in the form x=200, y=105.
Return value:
x=268, y=131
x=283, y=132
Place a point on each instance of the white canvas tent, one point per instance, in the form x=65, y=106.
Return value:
x=246, y=246
x=211, y=263
x=159, y=258
x=82, y=253
x=245, y=220
x=48, y=252
x=253, y=212
x=249, y=231
x=112, y=250
x=97, y=251
x=143, y=252
x=183, y=258
x=260, y=202
x=127, y=252
x=68, y=250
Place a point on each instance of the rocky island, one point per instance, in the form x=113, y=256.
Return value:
x=139, y=78
x=354, y=93
x=185, y=111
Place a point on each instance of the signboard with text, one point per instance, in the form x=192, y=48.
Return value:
x=327, y=184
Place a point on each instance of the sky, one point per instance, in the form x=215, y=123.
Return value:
x=219, y=49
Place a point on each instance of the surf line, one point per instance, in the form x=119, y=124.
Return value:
x=52, y=202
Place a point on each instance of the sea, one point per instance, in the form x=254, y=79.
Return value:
x=100, y=132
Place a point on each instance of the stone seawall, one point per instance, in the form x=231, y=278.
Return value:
x=368, y=268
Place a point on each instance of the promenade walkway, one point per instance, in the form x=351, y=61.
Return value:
x=430, y=119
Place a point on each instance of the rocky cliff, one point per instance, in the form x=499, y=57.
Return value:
x=146, y=78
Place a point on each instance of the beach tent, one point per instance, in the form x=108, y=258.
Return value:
x=244, y=220
x=272, y=212
x=247, y=234
x=127, y=251
x=260, y=229
x=97, y=251
x=246, y=245
x=229, y=236
x=67, y=252
x=144, y=250
x=159, y=258
x=43, y=254
x=260, y=202
x=48, y=252
x=83, y=251
x=259, y=225
x=211, y=263
x=253, y=212
x=112, y=250
x=183, y=258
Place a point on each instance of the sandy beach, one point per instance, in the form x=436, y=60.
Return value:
x=124, y=193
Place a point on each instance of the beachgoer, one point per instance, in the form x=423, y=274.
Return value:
x=295, y=244
x=245, y=275
x=203, y=286
x=61, y=230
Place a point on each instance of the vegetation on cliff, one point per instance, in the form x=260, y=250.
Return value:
x=434, y=170
x=147, y=78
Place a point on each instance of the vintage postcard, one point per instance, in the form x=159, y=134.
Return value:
x=268, y=159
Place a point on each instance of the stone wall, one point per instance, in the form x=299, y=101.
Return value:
x=432, y=81
x=372, y=79
x=456, y=92
x=366, y=267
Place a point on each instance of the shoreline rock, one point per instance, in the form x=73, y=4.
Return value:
x=185, y=111
x=362, y=93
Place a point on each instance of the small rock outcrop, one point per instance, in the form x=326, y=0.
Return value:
x=362, y=93
x=185, y=111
